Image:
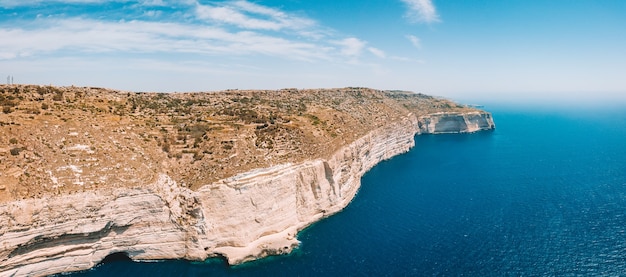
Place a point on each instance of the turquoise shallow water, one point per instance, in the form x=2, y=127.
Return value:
x=543, y=194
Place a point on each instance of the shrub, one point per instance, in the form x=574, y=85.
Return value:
x=16, y=151
x=58, y=96
x=42, y=90
x=166, y=147
x=13, y=141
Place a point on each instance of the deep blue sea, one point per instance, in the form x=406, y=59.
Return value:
x=543, y=194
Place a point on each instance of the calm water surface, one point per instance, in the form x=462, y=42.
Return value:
x=543, y=194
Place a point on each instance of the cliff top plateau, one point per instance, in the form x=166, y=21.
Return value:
x=65, y=140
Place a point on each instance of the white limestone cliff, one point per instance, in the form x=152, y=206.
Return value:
x=440, y=123
x=242, y=218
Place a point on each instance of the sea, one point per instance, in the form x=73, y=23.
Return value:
x=544, y=194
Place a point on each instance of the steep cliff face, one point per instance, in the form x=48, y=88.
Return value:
x=250, y=215
x=266, y=208
x=440, y=123
x=75, y=232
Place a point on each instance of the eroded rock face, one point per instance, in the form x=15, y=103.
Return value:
x=267, y=208
x=245, y=217
x=440, y=123
x=75, y=232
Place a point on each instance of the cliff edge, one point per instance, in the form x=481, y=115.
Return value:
x=234, y=174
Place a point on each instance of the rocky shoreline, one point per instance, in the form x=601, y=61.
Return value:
x=242, y=218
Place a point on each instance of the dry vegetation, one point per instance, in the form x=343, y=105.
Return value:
x=57, y=140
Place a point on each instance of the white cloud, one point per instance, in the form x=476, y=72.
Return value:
x=157, y=3
x=248, y=15
x=232, y=28
x=258, y=9
x=351, y=46
x=162, y=3
x=91, y=36
x=377, y=52
x=7, y=55
x=225, y=29
x=415, y=41
x=422, y=11
x=232, y=16
x=152, y=13
x=406, y=59
x=16, y=3
x=153, y=3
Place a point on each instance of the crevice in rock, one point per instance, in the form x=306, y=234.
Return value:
x=329, y=174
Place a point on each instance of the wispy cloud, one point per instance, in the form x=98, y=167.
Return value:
x=22, y=3
x=421, y=11
x=377, y=52
x=233, y=28
x=415, y=41
x=18, y=3
x=351, y=46
x=92, y=36
x=248, y=15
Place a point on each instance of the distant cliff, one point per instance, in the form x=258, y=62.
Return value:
x=455, y=122
x=242, y=217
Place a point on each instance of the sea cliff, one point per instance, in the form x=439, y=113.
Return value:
x=455, y=122
x=241, y=218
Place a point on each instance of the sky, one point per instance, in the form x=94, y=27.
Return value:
x=459, y=49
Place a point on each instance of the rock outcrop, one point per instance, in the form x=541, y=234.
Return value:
x=455, y=122
x=242, y=218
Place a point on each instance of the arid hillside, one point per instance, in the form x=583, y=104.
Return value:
x=57, y=140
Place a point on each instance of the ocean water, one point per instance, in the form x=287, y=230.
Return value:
x=543, y=194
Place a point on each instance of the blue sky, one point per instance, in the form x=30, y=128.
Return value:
x=459, y=49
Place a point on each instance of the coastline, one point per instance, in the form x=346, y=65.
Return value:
x=244, y=218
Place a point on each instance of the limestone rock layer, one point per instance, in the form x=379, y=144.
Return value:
x=440, y=123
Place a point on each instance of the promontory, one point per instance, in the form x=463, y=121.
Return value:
x=88, y=172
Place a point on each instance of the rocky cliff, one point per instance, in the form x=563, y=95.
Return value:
x=455, y=122
x=243, y=217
